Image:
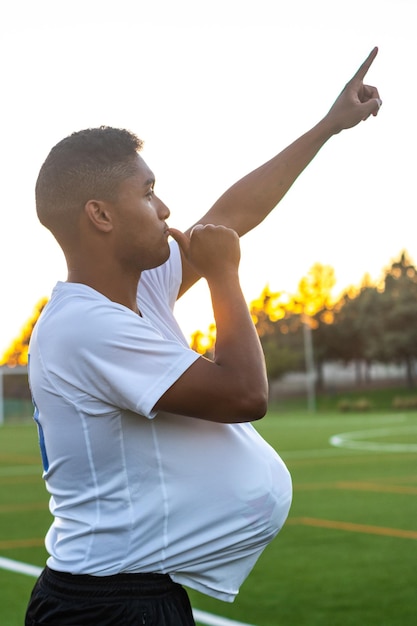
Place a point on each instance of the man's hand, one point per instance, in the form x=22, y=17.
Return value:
x=357, y=100
x=211, y=250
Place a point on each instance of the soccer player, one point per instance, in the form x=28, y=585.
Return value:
x=156, y=475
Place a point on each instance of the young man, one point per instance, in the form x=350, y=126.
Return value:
x=157, y=478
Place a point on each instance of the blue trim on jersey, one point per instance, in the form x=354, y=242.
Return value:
x=41, y=437
x=45, y=461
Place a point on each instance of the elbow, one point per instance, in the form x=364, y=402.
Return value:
x=251, y=405
x=257, y=407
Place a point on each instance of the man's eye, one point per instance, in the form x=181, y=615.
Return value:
x=150, y=193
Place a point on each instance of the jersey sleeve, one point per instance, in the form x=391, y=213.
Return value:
x=113, y=359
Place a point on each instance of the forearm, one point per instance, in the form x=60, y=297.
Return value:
x=244, y=205
x=250, y=200
x=238, y=351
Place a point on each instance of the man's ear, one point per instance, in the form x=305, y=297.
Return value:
x=99, y=214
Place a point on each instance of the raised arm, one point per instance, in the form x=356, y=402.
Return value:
x=244, y=205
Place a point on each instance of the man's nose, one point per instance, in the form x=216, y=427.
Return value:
x=163, y=211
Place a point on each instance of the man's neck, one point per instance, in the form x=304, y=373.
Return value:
x=117, y=288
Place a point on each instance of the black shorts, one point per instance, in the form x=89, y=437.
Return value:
x=60, y=599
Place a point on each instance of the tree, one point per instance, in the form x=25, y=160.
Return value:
x=315, y=289
x=17, y=352
x=375, y=322
x=399, y=310
x=356, y=332
x=204, y=343
x=315, y=302
x=279, y=331
x=281, y=319
x=283, y=346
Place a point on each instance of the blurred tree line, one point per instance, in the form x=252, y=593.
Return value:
x=375, y=323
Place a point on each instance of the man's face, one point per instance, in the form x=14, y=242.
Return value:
x=139, y=221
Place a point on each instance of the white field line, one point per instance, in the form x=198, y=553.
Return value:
x=312, y=454
x=207, y=619
x=340, y=440
x=20, y=568
x=354, y=440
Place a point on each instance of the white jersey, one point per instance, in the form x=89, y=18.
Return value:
x=132, y=490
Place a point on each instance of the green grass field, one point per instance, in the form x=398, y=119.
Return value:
x=347, y=555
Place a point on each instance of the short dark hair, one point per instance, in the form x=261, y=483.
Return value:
x=89, y=164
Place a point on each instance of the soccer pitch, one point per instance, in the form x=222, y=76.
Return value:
x=346, y=555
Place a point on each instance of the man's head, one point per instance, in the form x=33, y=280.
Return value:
x=89, y=164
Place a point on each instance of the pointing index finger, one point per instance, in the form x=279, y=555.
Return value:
x=361, y=73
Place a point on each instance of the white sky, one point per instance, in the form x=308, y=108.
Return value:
x=214, y=89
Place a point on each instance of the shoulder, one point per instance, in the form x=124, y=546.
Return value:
x=77, y=315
